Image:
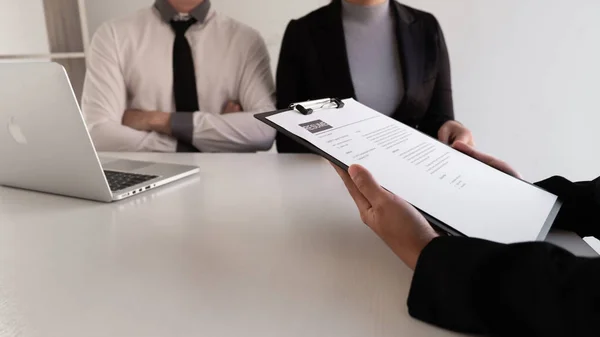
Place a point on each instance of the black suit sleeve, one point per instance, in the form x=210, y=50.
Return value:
x=441, y=106
x=290, y=87
x=287, y=76
x=580, y=212
x=530, y=289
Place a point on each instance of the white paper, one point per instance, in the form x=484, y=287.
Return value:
x=593, y=242
x=471, y=197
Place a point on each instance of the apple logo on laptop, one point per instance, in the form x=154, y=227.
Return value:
x=15, y=131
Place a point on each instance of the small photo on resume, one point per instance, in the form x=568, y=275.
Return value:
x=316, y=126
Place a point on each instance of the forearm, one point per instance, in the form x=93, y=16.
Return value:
x=233, y=132
x=229, y=132
x=531, y=289
x=241, y=131
x=112, y=136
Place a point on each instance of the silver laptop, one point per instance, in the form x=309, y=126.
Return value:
x=45, y=145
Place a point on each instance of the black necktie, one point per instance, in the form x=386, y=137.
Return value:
x=184, y=76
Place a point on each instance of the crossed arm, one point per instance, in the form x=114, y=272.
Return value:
x=114, y=127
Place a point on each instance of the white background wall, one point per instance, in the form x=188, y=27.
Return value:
x=526, y=72
x=526, y=80
x=27, y=18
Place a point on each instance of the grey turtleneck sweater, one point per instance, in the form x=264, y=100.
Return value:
x=372, y=46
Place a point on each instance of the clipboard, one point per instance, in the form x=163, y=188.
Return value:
x=307, y=108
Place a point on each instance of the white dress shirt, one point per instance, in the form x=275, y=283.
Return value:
x=130, y=67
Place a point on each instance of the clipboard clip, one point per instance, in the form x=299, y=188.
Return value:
x=307, y=108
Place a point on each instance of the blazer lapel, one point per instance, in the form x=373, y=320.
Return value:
x=333, y=57
x=411, y=46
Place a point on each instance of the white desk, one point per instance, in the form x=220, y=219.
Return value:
x=256, y=245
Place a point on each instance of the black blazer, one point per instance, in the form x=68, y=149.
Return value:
x=313, y=64
x=528, y=289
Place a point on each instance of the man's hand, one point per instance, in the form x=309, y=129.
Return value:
x=486, y=159
x=231, y=107
x=148, y=121
x=396, y=222
x=453, y=131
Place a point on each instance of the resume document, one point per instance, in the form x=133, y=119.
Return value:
x=464, y=194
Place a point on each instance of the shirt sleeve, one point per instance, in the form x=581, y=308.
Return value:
x=236, y=132
x=104, y=101
x=530, y=289
x=441, y=107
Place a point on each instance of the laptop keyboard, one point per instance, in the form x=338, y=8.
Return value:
x=120, y=180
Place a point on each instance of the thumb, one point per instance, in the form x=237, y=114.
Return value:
x=466, y=137
x=471, y=152
x=463, y=147
x=444, y=134
x=366, y=184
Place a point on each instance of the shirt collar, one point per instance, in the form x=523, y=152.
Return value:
x=168, y=13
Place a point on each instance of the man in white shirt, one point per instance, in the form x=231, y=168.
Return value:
x=175, y=78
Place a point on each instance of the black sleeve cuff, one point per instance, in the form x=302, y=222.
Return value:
x=480, y=287
x=441, y=291
x=432, y=127
x=182, y=126
x=580, y=212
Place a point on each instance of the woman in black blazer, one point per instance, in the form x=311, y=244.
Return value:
x=388, y=56
x=480, y=287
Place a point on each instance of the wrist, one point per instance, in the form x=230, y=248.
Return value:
x=160, y=122
x=410, y=253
